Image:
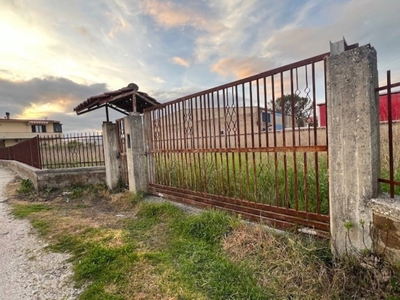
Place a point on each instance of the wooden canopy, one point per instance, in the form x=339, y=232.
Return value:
x=124, y=100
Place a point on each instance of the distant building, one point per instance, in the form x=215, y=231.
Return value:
x=383, y=109
x=223, y=121
x=13, y=131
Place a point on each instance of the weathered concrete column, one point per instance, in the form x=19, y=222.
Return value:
x=353, y=131
x=110, y=140
x=135, y=153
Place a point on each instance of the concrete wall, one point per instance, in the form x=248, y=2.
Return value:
x=111, y=153
x=135, y=153
x=56, y=178
x=354, y=154
x=386, y=227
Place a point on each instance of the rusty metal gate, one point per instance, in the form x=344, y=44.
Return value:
x=123, y=164
x=252, y=147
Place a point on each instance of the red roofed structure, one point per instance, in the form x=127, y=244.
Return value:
x=383, y=109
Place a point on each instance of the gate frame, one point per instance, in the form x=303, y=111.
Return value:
x=276, y=216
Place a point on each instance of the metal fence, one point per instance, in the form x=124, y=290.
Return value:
x=71, y=151
x=239, y=147
x=390, y=147
x=27, y=152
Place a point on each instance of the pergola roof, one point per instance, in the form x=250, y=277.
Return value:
x=124, y=100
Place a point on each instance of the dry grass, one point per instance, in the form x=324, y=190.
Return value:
x=298, y=267
x=156, y=252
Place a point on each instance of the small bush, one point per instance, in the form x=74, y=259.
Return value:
x=26, y=187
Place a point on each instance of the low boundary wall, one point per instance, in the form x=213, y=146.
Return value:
x=386, y=227
x=56, y=178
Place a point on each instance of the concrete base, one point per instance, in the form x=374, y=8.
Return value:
x=56, y=178
x=386, y=227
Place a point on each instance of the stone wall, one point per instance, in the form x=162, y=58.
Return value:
x=56, y=178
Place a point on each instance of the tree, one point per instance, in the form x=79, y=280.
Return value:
x=299, y=107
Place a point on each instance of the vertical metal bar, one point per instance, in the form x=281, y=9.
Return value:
x=214, y=144
x=390, y=133
x=296, y=186
x=39, y=154
x=259, y=120
x=203, y=125
x=152, y=159
x=50, y=153
x=227, y=138
x=317, y=189
x=253, y=140
x=284, y=141
x=169, y=158
x=220, y=181
x=209, y=110
x=166, y=154
x=89, y=150
x=149, y=139
x=266, y=112
x=277, y=196
x=192, y=164
x=197, y=163
x=233, y=155
x=239, y=143
x=245, y=141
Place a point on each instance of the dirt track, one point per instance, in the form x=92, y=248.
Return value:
x=27, y=270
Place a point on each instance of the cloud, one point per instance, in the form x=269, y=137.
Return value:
x=118, y=25
x=174, y=93
x=180, y=61
x=170, y=14
x=241, y=67
x=50, y=97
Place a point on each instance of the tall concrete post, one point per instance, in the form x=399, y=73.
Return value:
x=353, y=135
x=135, y=153
x=110, y=141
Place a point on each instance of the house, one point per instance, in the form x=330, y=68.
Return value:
x=383, y=109
x=13, y=131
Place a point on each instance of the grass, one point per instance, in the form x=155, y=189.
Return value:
x=158, y=251
x=287, y=180
x=26, y=187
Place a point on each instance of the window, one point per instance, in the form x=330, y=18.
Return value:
x=57, y=127
x=38, y=128
x=263, y=119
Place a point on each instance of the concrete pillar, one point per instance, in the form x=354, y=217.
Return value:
x=111, y=152
x=353, y=135
x=135, y=153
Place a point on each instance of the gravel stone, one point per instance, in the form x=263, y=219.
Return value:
x=27, y=270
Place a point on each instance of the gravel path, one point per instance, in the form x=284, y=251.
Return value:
x=27, y=270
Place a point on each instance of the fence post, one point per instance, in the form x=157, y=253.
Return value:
x=353, y=134
x=135, y=153
x=110, y=145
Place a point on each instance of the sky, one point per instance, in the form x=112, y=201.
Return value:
x=56, y=54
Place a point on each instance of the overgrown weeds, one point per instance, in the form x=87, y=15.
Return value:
x=128, y=248
x=26, y=187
